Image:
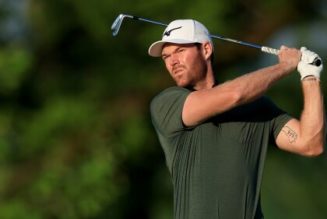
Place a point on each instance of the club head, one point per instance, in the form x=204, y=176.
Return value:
x=117, y=23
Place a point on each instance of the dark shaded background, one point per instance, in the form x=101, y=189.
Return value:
x=76, y=139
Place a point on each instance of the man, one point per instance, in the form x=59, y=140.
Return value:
x=215, y=137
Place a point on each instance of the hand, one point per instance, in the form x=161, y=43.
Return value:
x=289, y=58
x=306, y=66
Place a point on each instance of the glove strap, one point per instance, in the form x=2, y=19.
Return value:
x=310, y=78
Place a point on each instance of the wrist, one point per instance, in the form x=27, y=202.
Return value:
x=310, y=78
x=286, y=67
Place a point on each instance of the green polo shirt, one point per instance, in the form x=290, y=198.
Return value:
x=216, y=167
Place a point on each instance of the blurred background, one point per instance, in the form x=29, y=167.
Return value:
x=76, y=140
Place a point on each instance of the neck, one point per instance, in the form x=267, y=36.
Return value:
x=208, y=81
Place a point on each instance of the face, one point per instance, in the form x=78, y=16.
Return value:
x=186, y=63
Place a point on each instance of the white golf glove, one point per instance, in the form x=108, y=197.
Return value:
x=306, y=67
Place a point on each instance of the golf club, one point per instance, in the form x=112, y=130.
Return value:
x=115, y=27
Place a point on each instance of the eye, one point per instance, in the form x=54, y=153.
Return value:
x=165, y=57
x=181, y=49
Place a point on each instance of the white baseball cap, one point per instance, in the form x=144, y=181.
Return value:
x=181, y=32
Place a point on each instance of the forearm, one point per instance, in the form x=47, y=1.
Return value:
x=203, y=104
x=312, y=121
x=307, y=135
x=253, y=85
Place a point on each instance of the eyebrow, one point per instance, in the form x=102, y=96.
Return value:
x=177, y=47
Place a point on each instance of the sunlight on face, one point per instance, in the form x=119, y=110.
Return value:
x=185, y=63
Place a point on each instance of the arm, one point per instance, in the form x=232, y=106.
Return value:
x=307, y=136
x=203, y=104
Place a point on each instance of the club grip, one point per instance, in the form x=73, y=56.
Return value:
x=316, y=62
x=269, y=50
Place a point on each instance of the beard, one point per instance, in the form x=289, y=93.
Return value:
x=190, y=76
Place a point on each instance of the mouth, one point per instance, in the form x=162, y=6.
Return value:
x=177, y=71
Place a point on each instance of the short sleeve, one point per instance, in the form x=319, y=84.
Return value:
x=166, y=110
x=279, y=120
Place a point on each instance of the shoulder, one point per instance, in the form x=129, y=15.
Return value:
x=262, y=105
x=266, y=105
x=166, y=110
x=169, y=95
x=171, y=91
x=277, y=116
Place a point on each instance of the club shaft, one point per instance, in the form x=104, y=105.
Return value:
x=253, y=45
x=256, y=46
x=117, y=23
x=236, y=41
x=149, y=21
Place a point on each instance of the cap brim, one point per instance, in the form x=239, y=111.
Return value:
x=155, y=49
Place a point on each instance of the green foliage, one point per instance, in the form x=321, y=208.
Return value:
x=14, y=65
x=76, y=139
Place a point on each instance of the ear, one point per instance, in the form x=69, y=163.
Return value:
x=207, y=50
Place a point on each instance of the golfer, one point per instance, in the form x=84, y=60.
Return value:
x=215, y=136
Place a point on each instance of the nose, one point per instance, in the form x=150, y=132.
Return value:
x=174, y=60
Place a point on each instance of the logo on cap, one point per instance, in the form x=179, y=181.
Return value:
x=168, y=32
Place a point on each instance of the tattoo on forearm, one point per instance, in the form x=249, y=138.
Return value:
x=291, y=134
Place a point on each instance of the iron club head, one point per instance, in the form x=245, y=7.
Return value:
x=115, y=27
x=116, y=24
